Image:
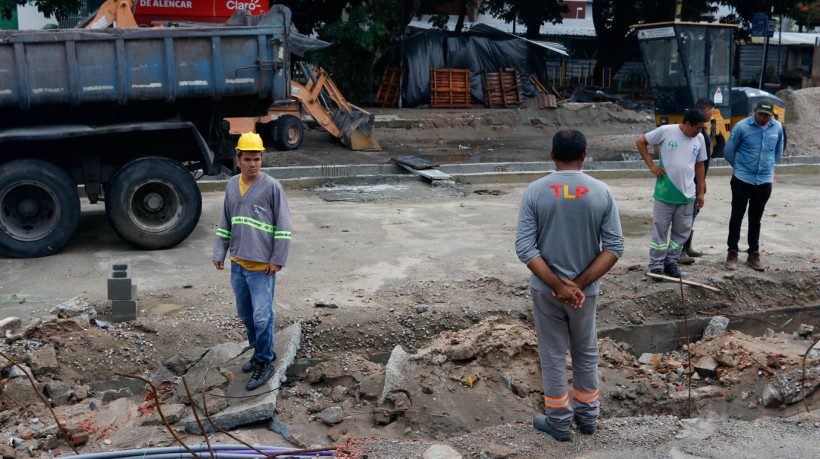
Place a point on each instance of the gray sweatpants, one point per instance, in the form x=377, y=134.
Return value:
x=557, y=326
x=679, y=217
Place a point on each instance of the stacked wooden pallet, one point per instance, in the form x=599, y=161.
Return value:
x=450, y=88
x=388, y=93
x=501, y=89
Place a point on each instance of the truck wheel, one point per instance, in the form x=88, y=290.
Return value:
x=39, y=208
x=287, y=133
x=153, y=203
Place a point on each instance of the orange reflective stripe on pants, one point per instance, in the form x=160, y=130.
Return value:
x=585, y=397
x=556, y=402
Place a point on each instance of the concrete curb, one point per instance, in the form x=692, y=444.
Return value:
x=310, y=176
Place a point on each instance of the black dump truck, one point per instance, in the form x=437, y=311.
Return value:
x=131, y=115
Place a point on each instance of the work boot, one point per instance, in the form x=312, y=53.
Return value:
x=731, y=260
x=671, y=270
x=688, y=247
x=685, y=259
x=251, y=365
x=754, y=261
x=657, y=271
x=539, y=421
x=588, y=429
x=261, y=374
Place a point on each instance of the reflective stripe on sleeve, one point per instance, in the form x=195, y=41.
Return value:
x=223, y=233
x=281, y=235
x=253, y=223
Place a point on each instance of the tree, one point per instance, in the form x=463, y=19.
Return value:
x=361, y=40
x=532, y=13
x=441, y=20
x=806, y=14
x=60, y=9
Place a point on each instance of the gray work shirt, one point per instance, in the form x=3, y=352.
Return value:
x=567, y=218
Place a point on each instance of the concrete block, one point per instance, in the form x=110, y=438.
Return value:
x=119, y=281
x=125, y=309
x=707, y=367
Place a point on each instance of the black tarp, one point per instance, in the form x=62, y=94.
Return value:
x=485, y=50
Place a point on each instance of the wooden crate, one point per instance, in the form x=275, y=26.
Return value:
x=502, y=89
x=541, y=101
x=450, y=88
x=388, y=93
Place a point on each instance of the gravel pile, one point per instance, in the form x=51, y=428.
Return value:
x=802, y=119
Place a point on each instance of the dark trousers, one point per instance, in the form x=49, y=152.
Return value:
x=756, y=197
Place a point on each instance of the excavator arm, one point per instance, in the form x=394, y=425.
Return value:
x=352, y=125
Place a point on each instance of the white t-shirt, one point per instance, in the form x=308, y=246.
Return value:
x=678, y=156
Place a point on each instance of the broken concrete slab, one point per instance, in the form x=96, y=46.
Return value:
x=73, y=308
x=9, y=324
x=186, y=358
x=716, y=326
x=396, y=371
x=707, y=366
x=114, y=389
x=43, y=360
x=241, y=411
x=439, y=451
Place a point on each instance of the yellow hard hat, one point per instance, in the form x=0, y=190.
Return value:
x=250, y=141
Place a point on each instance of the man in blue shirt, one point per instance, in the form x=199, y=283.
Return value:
x=755, y=145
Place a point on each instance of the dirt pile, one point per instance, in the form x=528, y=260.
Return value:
x=482, y=376
x=802, y=119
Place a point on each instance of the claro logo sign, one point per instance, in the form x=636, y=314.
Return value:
x=212, y=8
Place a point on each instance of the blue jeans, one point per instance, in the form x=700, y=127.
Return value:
x=254, y=305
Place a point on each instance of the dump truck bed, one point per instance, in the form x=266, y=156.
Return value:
x=110, y=75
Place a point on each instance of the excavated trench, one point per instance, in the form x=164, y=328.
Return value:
x=665, y=337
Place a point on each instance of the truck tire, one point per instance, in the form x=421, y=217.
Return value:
x=287, y=133
x=153, y=203
x=39, y=208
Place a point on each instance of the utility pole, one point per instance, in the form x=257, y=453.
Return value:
x=765, y=48
x=401, y=52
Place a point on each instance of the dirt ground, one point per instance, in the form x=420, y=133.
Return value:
x=433, y=270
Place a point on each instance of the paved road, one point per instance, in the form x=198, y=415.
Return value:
x=396, y=232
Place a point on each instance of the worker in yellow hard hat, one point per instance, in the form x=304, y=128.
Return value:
x=256, y=227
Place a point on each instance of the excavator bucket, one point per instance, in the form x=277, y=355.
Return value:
x=356, y=129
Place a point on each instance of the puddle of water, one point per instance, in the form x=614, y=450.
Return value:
x=670, y=336
x=166, y=308
x=633, y=226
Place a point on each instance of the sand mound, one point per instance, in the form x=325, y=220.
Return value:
x=802, y=119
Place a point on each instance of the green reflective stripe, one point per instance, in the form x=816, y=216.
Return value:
x=675, y=245
x=653, y=245
x=253, y=223
x=282, y=235
x=223, y=233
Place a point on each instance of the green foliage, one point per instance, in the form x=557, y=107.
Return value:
x=57, y=8
x=358, y=42
x=439, y=21
x=806, y=13
x=533, y=13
